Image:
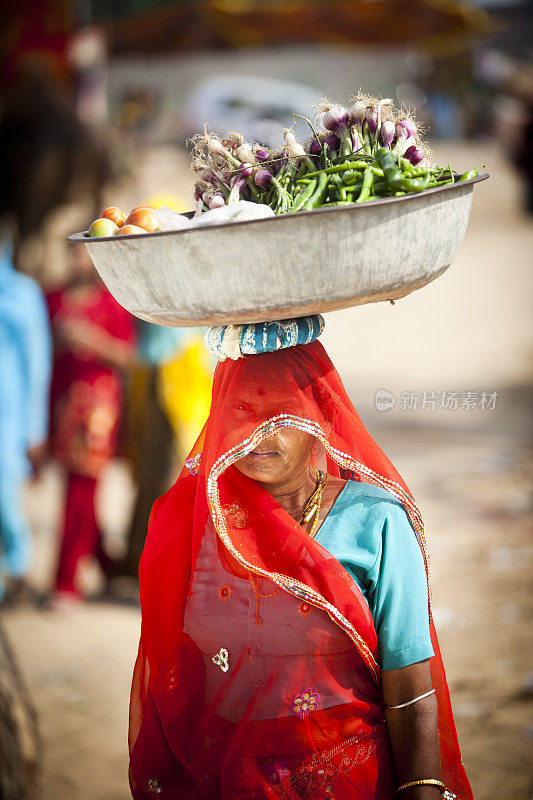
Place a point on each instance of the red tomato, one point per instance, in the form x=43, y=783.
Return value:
x=115, y=214
x=126, y=230
x=143, y=218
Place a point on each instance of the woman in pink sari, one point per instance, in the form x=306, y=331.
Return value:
x=94, y=342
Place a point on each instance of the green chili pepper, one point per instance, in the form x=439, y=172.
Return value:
x=388, y=164
x=330, y=170
x=467, y=176
x=339, y=186
x=302, y=199
x=358, y=163
x=368, y=180
x=351, y=177
x=317, y=198
x=405, y=165
x=354, y=191
x=434, y=184
x=418, y=172
x=413, y=184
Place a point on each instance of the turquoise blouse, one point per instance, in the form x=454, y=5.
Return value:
x=369, y=533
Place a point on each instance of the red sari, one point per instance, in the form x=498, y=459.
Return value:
x=86, y=394
x=284, y=701
x=86, y=408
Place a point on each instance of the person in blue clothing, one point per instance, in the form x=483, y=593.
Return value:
x=25, y=362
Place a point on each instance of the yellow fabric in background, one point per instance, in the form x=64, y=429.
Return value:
x=184, y=386
x=170, y=200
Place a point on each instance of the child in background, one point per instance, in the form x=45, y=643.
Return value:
x=94, y=341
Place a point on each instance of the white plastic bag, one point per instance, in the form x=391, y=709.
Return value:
x=235, y=212
x=170, y=220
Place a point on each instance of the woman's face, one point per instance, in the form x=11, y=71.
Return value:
x=280, y=459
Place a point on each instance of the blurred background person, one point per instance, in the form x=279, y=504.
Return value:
x=93, y=345
x=168, y=405
x=25, y=358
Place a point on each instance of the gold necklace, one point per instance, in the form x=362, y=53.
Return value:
x=311, y=508
x=314, y=504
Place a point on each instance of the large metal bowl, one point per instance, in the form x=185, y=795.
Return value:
x=286, y=266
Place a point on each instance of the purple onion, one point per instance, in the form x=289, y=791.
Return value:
x=387, y=132
x=371, y=118
x=315, y=148
x=356, y=139
x=263, y=178
x=335, y=118
x=236, y=189
x=296, y=150
x=244, y=152
x=414, y=154
x=332, y=141
x=358, y=114
x=262, y=155
x=278, y=163
x=405, y=128
x=197, y=193
x=216, y=201
x=216, y=146
x=245, y=170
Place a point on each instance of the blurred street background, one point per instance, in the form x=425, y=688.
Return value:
x=98, y=100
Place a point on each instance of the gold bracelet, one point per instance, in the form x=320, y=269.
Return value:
x=424, y=782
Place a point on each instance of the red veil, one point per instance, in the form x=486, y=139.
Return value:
x=273, y=693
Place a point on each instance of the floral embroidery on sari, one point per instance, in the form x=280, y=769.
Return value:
x=193, y=463
x=305, y=702
x=221, y=659
x=316, y=778
x=235, y=515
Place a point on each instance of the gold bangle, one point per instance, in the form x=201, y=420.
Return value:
x=424, y=782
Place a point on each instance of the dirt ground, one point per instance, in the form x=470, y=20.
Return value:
x=470, y=471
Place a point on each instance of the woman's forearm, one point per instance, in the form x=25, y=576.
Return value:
x=115, y=352
x=413, y=735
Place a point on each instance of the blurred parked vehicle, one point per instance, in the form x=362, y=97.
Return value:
x=256, y=107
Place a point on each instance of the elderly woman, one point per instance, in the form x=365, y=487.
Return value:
x=287, y=648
